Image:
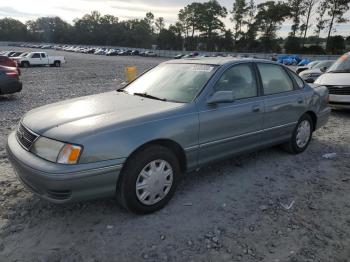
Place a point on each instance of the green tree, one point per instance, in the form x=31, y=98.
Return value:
x=12, y=30
x=269, y=18
x=336, y=45
x=50, y=29
x=209, y=20
x=308, y=6
x=149, y=19
x=320, y=20
x=336, y=10
x=297, y=9
x=238, y=12
x=189, y=21
x=160, y=25
x=250, y=42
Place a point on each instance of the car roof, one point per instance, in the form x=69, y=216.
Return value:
x=215, y=60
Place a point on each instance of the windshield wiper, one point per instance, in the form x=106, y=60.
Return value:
x=149, y=96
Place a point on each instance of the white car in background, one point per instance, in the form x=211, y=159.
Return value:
x=312, y=74
x=307, y=67
x=337, y=80
x=40, y=59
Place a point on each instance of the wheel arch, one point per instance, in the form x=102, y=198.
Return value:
x=313, y=116
x=175, y=147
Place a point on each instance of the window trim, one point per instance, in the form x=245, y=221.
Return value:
x=254, y=74
x=262, y=85
x=290, y=73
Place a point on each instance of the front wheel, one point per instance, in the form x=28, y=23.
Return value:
x=149, y=179
x=301, y=137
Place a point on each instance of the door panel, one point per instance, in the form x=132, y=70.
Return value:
x=229, y=128
x=282, y=113
x=35, y=59
x=283, y=104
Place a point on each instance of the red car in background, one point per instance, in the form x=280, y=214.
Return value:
x=8, y=62
x=9, y=80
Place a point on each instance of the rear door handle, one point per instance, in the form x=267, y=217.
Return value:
x=256, y=108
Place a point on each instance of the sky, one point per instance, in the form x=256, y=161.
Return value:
x=68, y=10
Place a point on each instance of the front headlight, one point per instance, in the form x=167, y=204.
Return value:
x=56, y=151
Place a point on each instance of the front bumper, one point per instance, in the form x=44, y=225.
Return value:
x=63, y=183
x=339, y=101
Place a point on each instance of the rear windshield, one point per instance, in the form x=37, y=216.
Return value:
x=342, y=65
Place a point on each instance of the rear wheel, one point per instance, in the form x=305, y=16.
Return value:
x=57, y=63
x=149, y=179
x=302, y=135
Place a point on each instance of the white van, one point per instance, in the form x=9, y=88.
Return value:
x=337, y=79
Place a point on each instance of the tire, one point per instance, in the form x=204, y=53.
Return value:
x=57, y=63
x=144, y=200
x=25, y=64
x=301, y=137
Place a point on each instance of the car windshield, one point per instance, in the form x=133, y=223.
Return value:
x=342, y=65
x=323, y=64
x=313, y=64
x=172, y=82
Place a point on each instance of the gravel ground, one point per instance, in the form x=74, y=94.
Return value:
x=265, y=206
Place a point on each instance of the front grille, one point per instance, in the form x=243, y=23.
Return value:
x=339, y=90
x=25, y=137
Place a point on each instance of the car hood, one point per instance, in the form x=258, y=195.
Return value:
x=92, y=113
x=341, y=79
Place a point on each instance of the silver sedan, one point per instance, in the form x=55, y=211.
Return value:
x=138, y=141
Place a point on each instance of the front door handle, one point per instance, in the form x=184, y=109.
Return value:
x=256, y=109
x=300, y=100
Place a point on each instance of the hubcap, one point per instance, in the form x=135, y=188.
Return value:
x=303, y=133
x=154, y=182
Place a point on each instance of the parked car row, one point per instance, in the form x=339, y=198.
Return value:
x=315, y=70
x=334, y=74
x=94, y=50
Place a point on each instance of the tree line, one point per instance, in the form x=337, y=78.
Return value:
x=200, y=27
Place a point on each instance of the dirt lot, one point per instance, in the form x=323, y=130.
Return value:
x=265, y=206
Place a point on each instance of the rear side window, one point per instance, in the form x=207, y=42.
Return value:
x=274, y=79
x=36, y=55
x=43, y=55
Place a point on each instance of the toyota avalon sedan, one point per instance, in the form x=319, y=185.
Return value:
x=137, y=142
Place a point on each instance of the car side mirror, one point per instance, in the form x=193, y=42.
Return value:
x=221, y=97
x=309, y=80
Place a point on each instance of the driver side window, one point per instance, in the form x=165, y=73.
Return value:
x=240, y=80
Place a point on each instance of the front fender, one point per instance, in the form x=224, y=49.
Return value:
x=120, y=143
